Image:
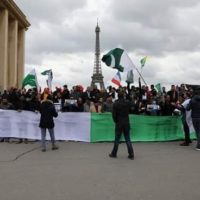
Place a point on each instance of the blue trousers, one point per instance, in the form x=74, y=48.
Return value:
x=43, y=136
x=119, y=130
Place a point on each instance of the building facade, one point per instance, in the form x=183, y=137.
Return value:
x=13, y=25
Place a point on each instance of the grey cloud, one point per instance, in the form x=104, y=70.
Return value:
x=146, y=27
x=48, y=38
x=48, y=33
x=34, y=59
x=149, y=13
x=155, y=28
x=52, y=11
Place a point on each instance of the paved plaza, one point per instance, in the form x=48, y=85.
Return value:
x=160, y=171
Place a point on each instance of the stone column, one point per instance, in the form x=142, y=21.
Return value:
x=21, y=56
x=3, y=48
x=12, y=52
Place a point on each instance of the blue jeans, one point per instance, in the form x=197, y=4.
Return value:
x=119, y=130
x=43, y=136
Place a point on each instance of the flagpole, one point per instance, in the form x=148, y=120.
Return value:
x=36, y=80
x=140, y=75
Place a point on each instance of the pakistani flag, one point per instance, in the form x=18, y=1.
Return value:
x=118, y=59
x=94, y=127
x=30, y=79
x=143, y=61
x=50, y=77
x=46, y=72
x=158, y=87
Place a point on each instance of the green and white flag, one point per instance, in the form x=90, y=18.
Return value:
x=158, y=87
x=49, y=73
x=46, y=72
x=86, y=127
x=143, y=61
x=118, y=59
x=30, y=79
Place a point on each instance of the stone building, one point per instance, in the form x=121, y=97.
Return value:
x=13, y=25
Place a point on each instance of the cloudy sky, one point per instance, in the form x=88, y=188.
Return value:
x=62, y=38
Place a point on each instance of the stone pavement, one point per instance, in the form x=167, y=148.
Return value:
x=160, y=171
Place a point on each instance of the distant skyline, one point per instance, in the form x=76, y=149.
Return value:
x=62, y=38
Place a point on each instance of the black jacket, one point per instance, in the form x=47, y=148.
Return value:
x=48, y=111
x=194, y=105
x=120, y=112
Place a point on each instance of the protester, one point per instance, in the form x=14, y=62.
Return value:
x=87, y=94
x=167, y=106
x=47, y=111
x=194, y=105
x=79, y=106
x=153, y=108
x=120, y=116
x=95, y=100
x=153, y=91
x=186, y=116
x=108, y=105
x=86, y=106
x=64, y=96
x=173, y=94
x=57, y=95
x=5, y=105
x=45, y=94
x=95, y=106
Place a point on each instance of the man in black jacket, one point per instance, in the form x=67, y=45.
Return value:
x=194, y=105
x=120, y=116
x=48, y=111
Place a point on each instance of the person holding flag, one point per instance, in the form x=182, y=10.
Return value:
x=120, y=115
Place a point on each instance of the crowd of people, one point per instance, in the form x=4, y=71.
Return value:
x=145, y=100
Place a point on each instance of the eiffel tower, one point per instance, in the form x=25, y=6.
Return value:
x=97, y=76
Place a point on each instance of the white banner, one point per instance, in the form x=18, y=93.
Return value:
x=25, y=124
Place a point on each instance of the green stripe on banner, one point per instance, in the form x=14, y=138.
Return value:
x=156, y=128
x=143, y=128
x=102, y=127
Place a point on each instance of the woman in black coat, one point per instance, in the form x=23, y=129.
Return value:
x=48, y=112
